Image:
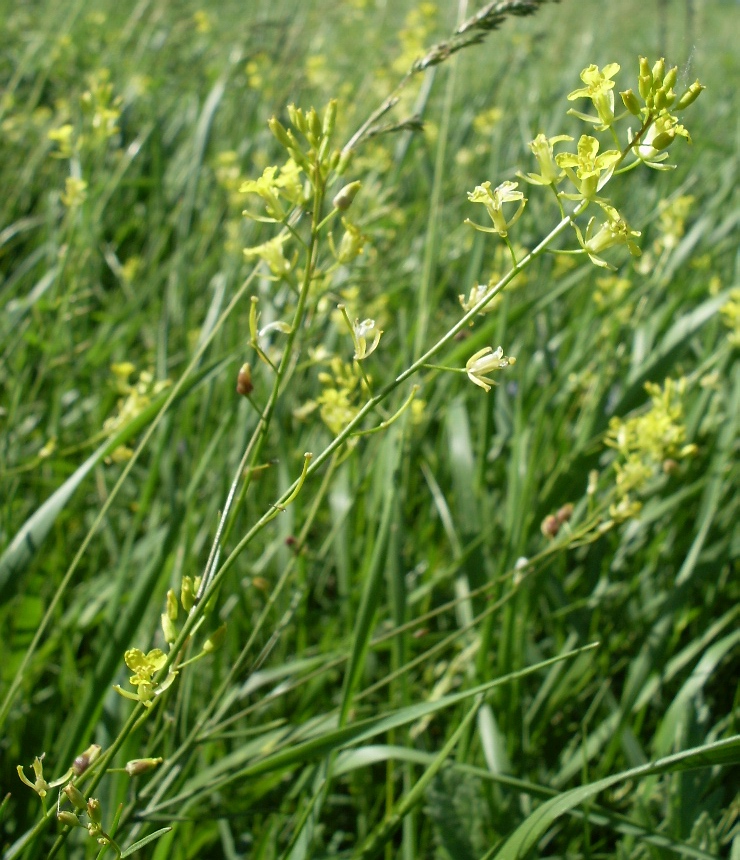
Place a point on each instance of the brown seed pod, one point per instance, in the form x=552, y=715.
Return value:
x=244, y=380
x=550, y=526
x=564, y=514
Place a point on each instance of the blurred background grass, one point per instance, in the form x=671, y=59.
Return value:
x=137, y=274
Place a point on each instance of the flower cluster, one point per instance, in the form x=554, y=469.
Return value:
x=648, y=444
x=338, y=402
x=137, y=397
x=588, y=169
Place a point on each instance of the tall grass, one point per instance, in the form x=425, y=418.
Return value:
x=416, y=661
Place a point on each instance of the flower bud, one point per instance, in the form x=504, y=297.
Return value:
x=75, y=796
x=171, y=604
x=68, y=818
x=141, y=765
x=169, y=629
x=630, y=102
x=85, y=759
x=253, y=319
x=550, y=526
x=314, y=127
x=690, y=96
x=215, y=640
x=669, y=466
x=187, y=593
x=344, y=162
x=330, y=116
x=334, y=160
x=94, y=810
x=645, y=69
x=296, y=118
x=670, y=77
x=660, y=99
x=279, y=131
x=564, y=513
x=352, y=243
x=343, y=199
x=244, y=380
x=663, y=140
x=658, y=71
x=593, y=482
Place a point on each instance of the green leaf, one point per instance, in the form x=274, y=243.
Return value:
x=530, y=831
x=132, y=849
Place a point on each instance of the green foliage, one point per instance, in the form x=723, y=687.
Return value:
x=482, y=619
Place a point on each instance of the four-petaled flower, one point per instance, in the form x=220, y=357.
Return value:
x=494, y=201
x=360, y=332
x=614, y=231
x=550, y=172
x=272, y=253
x=144, y=666
x=485, y=361
x=600, y=89
x=267, y=188
x=40, y=785
x=589, y=167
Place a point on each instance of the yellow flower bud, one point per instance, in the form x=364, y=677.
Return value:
x=658, y=71
x=187, y=593
x=630, y=102
x=690, y=96
x=278, y=129
x=330, y=116
x=215, y=640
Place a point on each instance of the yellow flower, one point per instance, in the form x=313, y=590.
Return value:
x=485, y=361
x=494, y=201
x=600, y=89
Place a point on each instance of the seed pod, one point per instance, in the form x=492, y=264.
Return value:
x=670, y=466
x=85, y=759
x=244, y=380
x=564, y=514
x=550, y=526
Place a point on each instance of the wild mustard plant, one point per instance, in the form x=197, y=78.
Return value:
x=293, y=196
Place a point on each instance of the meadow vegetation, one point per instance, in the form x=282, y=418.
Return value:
x=352, y=504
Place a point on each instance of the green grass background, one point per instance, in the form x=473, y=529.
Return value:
x=422, y=512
